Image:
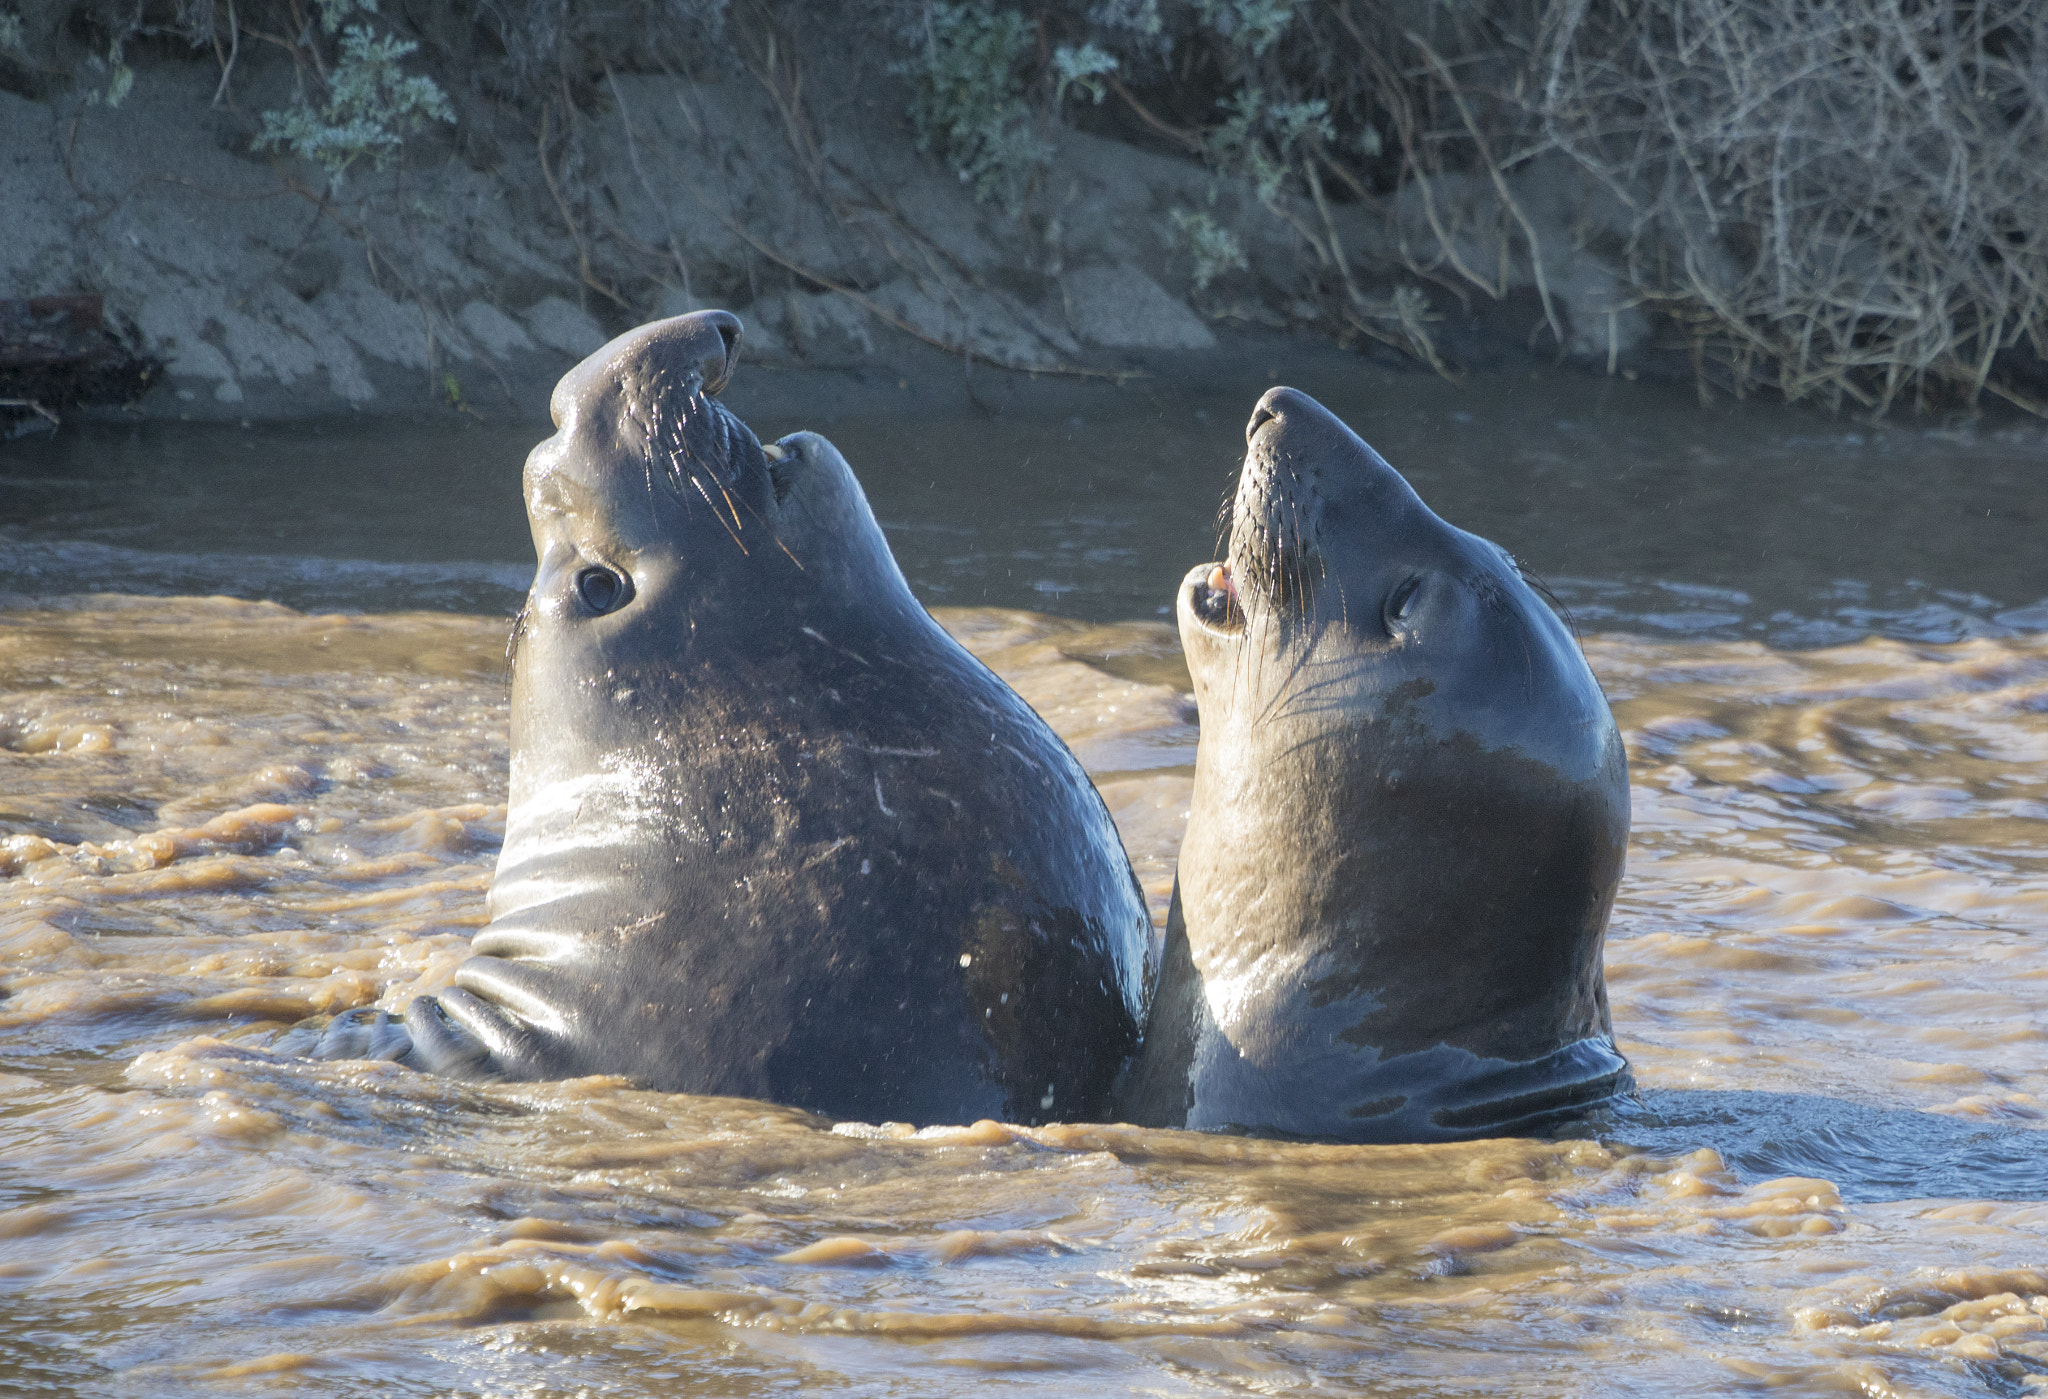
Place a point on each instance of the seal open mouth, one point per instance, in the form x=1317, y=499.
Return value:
x=1214, y=600
x=781, y=470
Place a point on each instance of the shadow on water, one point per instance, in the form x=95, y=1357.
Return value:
x=1873, y=1155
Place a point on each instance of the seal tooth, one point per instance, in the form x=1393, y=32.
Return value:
x=774, y=451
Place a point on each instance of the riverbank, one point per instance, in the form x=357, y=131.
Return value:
x=288, y=211
x=494, y=252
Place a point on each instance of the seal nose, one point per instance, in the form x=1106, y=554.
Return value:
x=1272, y=406
x=703, y=343
x=684, y=355
x=721, y=356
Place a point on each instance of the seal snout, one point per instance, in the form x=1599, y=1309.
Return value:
x=1272, y=408
x=728, y=327
x=696, y=354
x=712, y=359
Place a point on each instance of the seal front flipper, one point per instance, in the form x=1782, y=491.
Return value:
x=363, y=1033
x=1542, y=1094
x=1159, y=1088
x=460, y=1035
x=516, y=1008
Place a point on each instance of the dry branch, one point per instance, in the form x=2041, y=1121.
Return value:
x=1845, y=199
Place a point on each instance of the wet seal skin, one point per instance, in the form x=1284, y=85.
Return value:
x=1409, y=817
x=772, y=832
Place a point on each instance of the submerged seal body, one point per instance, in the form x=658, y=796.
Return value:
x=1409, y=817
x=772, y=832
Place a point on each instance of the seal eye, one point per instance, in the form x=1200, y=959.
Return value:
x=602, y=590
x=1402, y=602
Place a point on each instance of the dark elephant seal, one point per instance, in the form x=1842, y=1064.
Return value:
x=1409, y=817
x=772, y=832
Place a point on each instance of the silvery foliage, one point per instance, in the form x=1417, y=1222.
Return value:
x=1255, y=25
x=968, y=84
x=372, y=104
x=971, y=67
x=1213, y=248
x=975, y=69
x=1257, y=134
x=1082, y=66
x=1129, y=25
x=190, y=20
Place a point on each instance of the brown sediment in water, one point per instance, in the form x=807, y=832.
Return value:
x=218, y=817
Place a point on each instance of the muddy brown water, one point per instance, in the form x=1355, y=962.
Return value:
x=221, y=814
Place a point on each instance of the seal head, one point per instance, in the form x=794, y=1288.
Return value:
x=1409, y=818
x=772, y=832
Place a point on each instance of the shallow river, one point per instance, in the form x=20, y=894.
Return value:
x=220, y=815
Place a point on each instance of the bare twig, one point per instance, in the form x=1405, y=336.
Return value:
x=33, y=407
x=1500, y=184
x=1186, y=140
x=647, y=186
x=1842, y=200
x=227, y=66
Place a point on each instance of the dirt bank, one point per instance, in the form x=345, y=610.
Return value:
x=503, y=242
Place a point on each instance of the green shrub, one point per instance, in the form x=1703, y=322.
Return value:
x=968, y=97
x=1083, y=66
x=1254, y=25
x=1214, y=248
x=371, y=106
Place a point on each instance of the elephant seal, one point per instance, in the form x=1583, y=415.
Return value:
x=1409, y=817
x=772, y=833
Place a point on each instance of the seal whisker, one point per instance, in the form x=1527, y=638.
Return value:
x=518, y=630
x=739, y=505
x=733, y=506
x=730, y=531
x=1300, y=562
